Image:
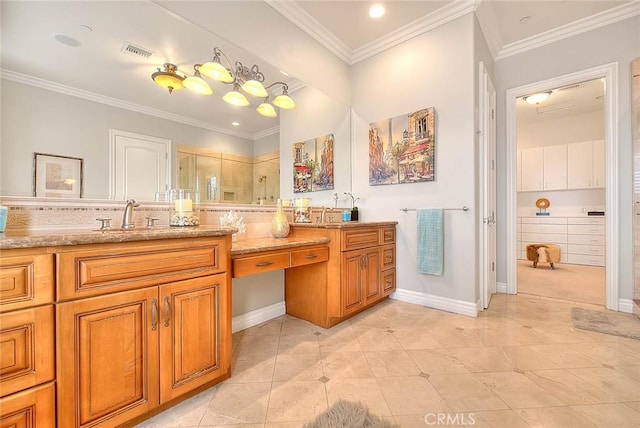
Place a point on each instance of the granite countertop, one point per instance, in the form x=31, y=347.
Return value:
x=257, y=245
x=53, y=237
x=345, y=225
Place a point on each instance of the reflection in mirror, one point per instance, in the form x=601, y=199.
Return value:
x=222, y=177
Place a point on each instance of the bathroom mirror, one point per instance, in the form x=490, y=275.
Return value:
x=71, y=71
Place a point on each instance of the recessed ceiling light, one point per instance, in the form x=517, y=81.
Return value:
x=236, y=123
x=376, y=11
x=67, y=40
x=525, y=20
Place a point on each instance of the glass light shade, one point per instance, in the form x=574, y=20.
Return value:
x=265, y=109
x=284, y=101
x=254, y=88
x=537, y=98
x=236, y=98
x=196, y=84
x=216, y=71
x=167, y=78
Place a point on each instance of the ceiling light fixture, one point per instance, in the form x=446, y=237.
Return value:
x=537, y=98
x=168, y=77
x=248, y=79
x=376, y=11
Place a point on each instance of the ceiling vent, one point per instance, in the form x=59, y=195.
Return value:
x=131, y=49
x=570, y=87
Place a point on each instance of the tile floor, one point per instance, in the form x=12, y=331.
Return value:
x=519, y=364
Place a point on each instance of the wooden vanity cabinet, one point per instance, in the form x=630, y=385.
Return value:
x=359, y=273
x=143, y=342
x=26, y=339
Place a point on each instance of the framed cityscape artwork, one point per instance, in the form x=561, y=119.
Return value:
x=402, y=149
x=313, y=164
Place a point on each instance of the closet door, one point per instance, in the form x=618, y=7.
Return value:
x=555, y=167
x=532, y=169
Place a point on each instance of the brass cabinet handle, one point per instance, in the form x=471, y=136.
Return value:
x=310, y=256
x=263, y=264
x=167, y=311
x=154, y=314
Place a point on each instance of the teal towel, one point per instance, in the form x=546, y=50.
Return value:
x=430, y=241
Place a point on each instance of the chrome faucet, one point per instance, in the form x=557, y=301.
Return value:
x=324, y=212
x=127, y=218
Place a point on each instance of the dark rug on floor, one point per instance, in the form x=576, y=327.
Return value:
x=348, y=414
x=608, y=322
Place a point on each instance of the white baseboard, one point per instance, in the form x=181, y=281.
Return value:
x=437, y=302
x=501, y=287
x=257, y=316
x=625, y=305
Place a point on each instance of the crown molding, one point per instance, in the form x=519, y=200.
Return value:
x=113, y=102
x=266, y=133
x=312, y=27
x=580, y=26
x=428, y=22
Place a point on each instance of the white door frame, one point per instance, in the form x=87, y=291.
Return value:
x=486, y=121
x=610, y=73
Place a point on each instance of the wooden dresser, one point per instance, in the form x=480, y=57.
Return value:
x=360, y=272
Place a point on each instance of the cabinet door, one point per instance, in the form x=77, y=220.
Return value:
x=580, y=165
x=107, y=354
x=599, y=162
x=32, y=408
x=27, y=348
x=555, y=167
x=371, y=275
x=532, y=169
x=352, y=298
x=195, y=334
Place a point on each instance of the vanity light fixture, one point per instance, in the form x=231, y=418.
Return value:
x=248, y=79
x=537, y=98
x=168, y=78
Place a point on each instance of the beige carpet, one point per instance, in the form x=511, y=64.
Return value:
x=575, y=283
x=608, y=322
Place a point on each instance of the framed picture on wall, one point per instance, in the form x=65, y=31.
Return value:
x=56, y=176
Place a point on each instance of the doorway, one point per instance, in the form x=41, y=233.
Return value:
x=611, y=207
x=560, y=183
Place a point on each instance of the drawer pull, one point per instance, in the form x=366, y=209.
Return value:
x=310, y=256
x=154, y=314
x=167, y=311
x=263, y=264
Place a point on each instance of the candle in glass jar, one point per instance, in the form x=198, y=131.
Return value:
x=183, y=205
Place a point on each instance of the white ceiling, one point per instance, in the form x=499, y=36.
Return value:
x=97, y=69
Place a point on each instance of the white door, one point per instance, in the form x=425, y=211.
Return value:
x=488, y=141
x=139, y=166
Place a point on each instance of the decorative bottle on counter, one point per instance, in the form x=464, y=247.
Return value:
x=279, y=224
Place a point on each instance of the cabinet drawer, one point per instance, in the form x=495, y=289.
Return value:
x=586, y=229
x=308, y=256
x=360, y=238
x=31, y=408
x=580, y=259
x=93, y=272
x=544, y=220
x=26, y=281
x=594, y=250
x=388, y=235
x=258, y=264
x=388, y=282
x=586, y=220
x=388, y=256
x=27, y=344
x=544, y=228
x=586, y=239
x=551, y=238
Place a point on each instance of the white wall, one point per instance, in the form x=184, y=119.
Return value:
x=316, y=114
x=266, y=144
x=618, y=42
x=39, y=120
x=564, y=130
x=435, y=69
